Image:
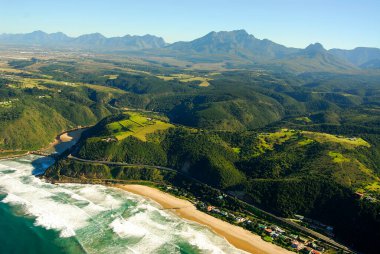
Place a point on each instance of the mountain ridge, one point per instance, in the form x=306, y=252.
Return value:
x=214, y=46
x=93, y=40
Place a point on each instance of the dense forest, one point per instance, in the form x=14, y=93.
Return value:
x=285, y=171
x=288, y=143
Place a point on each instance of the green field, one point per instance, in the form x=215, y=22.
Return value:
x=338, y=157
x=138, y=125
x=303, y=119
x=346, y=142
x=266, y=141
x=373, y=187
x=305, y=142
x=185, y=78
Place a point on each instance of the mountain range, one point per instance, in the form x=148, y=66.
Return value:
x=94, y=41
x=236, y=45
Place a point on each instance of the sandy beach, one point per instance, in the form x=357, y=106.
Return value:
x=237, y=236
x=61, y=142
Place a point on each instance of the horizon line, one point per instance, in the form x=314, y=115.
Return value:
x=161, y=37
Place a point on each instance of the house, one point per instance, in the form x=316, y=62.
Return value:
x=303, y=240
x=274, y=234
x=278, y=230
x=216, y=210
x=297, y=245
x=285, y=238
x=108, y=140
x=307, y=250
x=240, y=219
x=300, y=217
x=210, y=208
x=262, y=226
x=268, y=231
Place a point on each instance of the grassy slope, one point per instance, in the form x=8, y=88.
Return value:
x=137, y=125
x=339, y=159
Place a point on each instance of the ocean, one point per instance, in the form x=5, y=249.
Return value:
x=39, y=217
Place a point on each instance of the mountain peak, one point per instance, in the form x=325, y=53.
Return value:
x=316, y=47
x=38, y=32
x=236, y=42
x=93, y=35
x=240, y=32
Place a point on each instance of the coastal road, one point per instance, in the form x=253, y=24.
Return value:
x=291, y=224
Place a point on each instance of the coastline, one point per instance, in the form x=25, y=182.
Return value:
x=59, y=144
x=60, y=141
x=235, y=235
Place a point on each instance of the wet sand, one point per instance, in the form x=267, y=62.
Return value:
x=64, y=141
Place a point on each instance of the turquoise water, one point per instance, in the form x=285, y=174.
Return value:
x=38, y=217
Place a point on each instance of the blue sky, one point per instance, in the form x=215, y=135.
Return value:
x=296, y=23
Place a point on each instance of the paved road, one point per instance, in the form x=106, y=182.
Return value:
x=283, y=220
x=110, y=163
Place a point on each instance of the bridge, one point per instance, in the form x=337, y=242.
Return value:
x=46, y=154
x=281, y=220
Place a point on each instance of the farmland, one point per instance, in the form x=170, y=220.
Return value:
x=187, y=78
x=137, y=125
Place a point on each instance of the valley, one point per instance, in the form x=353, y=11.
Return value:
x=287, y=141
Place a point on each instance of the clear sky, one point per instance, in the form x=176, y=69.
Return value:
x=297, y=23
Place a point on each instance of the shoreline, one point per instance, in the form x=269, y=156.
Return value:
x=10, y=157
x=238, y=237
x=62, y=138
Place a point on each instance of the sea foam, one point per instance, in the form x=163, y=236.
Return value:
x=102, y=219
x=125, y=228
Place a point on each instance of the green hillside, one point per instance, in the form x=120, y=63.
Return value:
x=33, y=110
x=286, y=142
x=286, y=171
x=273, y=155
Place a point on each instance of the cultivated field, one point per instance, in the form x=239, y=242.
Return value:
x=186, y=78
x=137, y=125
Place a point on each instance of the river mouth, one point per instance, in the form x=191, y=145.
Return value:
x=64, y=141
x=80, y=218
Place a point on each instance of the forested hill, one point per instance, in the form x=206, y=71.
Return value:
x=289, y=143
x=72, y=93
x=285, y=171
x=34, y=111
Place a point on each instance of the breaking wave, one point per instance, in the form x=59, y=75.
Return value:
x=101, y=219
